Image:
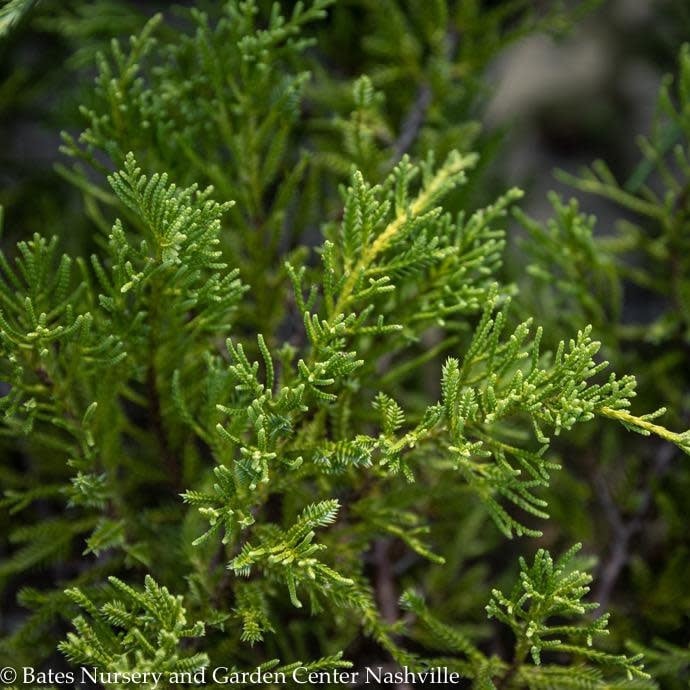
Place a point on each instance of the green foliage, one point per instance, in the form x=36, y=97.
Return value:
x=662, y=240
x=240, y=92
x=667, y=661
x=547, y=595
x=644, y=255
x=12, y=12
x=551, y=590
x=139, y=631
x=291, y=376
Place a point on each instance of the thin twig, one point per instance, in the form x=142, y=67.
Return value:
x=413, y=122
x=385, y=588
x=416, y=115
x=623, y=530
x=385, y=585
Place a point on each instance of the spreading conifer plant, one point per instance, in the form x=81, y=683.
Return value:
x=288, y=409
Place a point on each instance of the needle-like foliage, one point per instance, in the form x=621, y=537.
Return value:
x=291, y=375
x=538, y=611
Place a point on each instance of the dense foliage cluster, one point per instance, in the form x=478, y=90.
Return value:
x=286, y=404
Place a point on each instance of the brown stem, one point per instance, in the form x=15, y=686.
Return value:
x=385, y=588
x=520, y=653
x=413, y=122
x=385, y=584
x=416, y=115
x=622, y=530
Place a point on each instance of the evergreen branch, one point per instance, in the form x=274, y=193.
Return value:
x=149, y=628
x=643, y=426
x=600, y=181
x=451, y=173
x=324, y=462
x=547, y=590
x=12, y=12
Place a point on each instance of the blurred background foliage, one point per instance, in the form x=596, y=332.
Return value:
x=534, y=86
